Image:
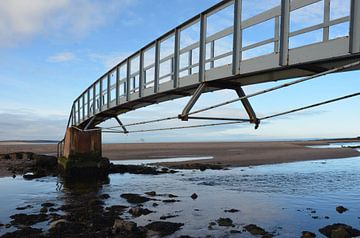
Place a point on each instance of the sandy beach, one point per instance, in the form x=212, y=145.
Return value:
x=224, y=153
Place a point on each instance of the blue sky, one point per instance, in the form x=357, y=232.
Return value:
x=51, y=50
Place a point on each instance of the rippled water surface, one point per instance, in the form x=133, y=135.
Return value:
x=284, y=199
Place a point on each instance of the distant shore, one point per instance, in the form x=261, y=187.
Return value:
x=229, y=154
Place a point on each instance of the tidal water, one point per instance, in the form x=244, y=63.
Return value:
x=284, y=199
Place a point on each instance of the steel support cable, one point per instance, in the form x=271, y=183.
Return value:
x=277, y=87
x=144, y=122
x=238, y=122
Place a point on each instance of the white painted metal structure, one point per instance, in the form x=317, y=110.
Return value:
x=157, y=73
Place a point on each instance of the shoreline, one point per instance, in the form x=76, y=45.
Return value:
x=227, y=154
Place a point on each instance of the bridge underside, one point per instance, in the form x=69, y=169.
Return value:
x=231, y=82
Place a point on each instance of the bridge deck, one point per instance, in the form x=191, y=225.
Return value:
x=170, y=68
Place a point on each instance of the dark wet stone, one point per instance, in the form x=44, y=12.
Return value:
x=185, y=236
x=341, y=209
x=48, y=204
x=152, y=193
x=138, y=211
x=105, y=196
x=326, y=217
x=315, y=217
x=128, y=229
x=232, y=210
x=28, y=232
x=256, y=230
x=335, y=230
x=44, y=210
x=168, y=217
x=225, y=222
x=134, y=198
x=235, y=232
x=163, y=227
x=132, y=169
x=212, y=223
x=14, y=176
x=51, y=209
x=24, y=208
x=170, y=200
x=308, y=234
x=194, y=196
x=155, y=204
x=172, y=196
x=96, y=202
x=28, y=220
x=64, y=228
x=116, y=209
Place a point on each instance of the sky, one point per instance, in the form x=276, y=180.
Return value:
x=50, y=51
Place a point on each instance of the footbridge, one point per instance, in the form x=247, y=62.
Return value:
x=176, y=65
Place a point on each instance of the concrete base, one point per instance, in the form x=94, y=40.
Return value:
x=82, y=153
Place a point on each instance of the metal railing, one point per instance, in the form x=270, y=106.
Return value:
x=155, y=68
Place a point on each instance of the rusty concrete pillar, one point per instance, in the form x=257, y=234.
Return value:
x=82, y=153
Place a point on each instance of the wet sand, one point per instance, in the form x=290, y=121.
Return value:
x=224, y=153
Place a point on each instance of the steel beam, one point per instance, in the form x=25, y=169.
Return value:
x=326, y=20
x=121, y=124
x=355, y=27
x=237, y=37
x=202, y=48
x=284, y=32
x=117, y=85
x=108, y=91
x=249, y=110
x=176, y=65
x=184, y=115
x=89, y=123
x=141, y=74
x=128, y=83
x=157, y=66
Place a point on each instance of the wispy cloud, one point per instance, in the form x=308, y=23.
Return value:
x=22, y=20
x=62, y=57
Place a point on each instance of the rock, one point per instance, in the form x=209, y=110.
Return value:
x=121, y=225
x=339, y=229
x=341, y=209
x=155, y=204
x=134, y=198
x=167, y=217
x=170, y=200
x=172, y=196
x=307, y=234
x=231, y=210
x=194, y=196
x=28, y=220
x=152, y=193
x=138, y=211
x=105, y=196
x=48, y=204
x=132, y=169
x=255, y=230
x=43, y=210
x=25, y=207
x=28, y=232
x=235, y=232
x=201, y=167
x=164, y=228
x=56, y=223
x=225, y=222
x=116, y=209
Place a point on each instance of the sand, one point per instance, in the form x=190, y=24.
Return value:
x=225, y=153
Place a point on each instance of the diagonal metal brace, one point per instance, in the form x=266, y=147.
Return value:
x=250, y=111
x=184, y=116
x=89, y=123
x=122, y=125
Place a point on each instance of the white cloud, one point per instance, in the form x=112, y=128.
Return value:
x=62, y=57
x=21, y=20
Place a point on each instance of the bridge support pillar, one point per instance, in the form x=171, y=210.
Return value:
x=82, y=153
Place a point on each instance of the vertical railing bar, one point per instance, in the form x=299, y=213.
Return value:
x=73, y=115
x=88, y=104
x=78, y=111
x=157, y=66
x=128, y=83
x=237, y=37
x=108, y=90
x=94, y=99
x=176, y=64
x=117, y=85
x=202, y=47
x=190, y=62
x=212, y=54
x=326, y=20
x=101, y=94
x=355, y=27
x=276, y=35
x=141, y=74
x=83, y=106
x=284, y=32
